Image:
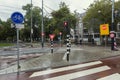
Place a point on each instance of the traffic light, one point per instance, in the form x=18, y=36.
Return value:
x=65, y=24
x=51, y=29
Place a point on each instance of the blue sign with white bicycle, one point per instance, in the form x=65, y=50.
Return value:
x=17, y=18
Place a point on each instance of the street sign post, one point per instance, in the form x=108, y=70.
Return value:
x=51, y=40
x=104, y=30
x=17, y=18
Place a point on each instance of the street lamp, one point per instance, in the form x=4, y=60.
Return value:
x=31, y=32
x=42, y=29
x=112, y=27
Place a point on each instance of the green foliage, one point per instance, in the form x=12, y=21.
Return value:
x=6, y=32
x=61, y=15
x=100, y=12
x=36, y=22
x=51, y=25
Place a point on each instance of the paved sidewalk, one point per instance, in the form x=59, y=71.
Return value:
x=78, y=55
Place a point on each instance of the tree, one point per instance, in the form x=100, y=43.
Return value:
x=7, y=33
x=61, y=15
x=36, y=21
x=101, y=11
x=98, y=11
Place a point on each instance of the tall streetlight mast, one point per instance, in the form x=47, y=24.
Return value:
x=42, y=29
x=112, y=15
x=31, y=25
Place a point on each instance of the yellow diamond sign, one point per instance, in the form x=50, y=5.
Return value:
x=104, y=29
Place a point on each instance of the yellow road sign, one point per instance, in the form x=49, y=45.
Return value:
x=104, y=29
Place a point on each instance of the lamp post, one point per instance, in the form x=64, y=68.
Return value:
x=112, y=27
x=42, y=29
x=31, y=25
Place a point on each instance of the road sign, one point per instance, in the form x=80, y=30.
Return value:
x=19, y=26
x=52, y=36
x=104, y=29
x=17, y=18
x=112, y=34
x=60, y=33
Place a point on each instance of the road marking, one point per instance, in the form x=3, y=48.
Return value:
x=39, y=73
x=115, y=76
x=80, y=73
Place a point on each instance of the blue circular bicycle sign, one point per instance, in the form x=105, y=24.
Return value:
x=17, y=17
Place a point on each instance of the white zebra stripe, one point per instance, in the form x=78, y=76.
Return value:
x=115, y=76
x=39, y=73
x=80, y=73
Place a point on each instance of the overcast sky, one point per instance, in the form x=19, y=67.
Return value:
x=7, y=7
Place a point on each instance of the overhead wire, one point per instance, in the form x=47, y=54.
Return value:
x=7, y=9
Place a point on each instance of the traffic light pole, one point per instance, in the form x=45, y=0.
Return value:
x=112, y=27
x=68, y=47
x=67, y=29
x=51, y=41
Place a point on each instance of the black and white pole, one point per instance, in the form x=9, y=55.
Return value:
x=69, y=44
x=67, y=29
x=68, y=48
x=51, y=45
x=51, y=41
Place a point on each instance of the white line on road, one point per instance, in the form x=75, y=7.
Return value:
x=39, y=73
x=80, y=73
x=115, y=76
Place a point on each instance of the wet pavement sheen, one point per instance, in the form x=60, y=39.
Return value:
x=79, y=54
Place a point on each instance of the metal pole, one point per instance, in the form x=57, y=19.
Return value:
x=60, y=33
x=112, y=26
x=42, y=30
x=68, y=47
x=31, y=25
x=51, y=45
x=18, y=66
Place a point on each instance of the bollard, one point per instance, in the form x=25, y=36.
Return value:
x=69, y=44
x=67, y=56
x=68, y=47
x=51, y=46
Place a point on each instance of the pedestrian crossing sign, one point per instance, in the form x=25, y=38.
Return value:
x=104, y=29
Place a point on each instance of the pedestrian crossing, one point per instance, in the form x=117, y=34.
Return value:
x=77, y=72
x=115, y=76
